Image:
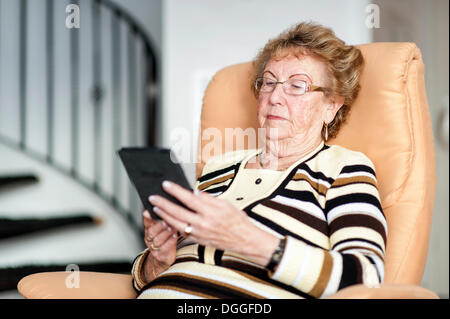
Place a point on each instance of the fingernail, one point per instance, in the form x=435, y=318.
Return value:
x=169, y=229
x=155, y=209
x=166, y=184
x=151, y=198
x=196, y=191
x=146, y=214
x=174, y=235
x=164, y=223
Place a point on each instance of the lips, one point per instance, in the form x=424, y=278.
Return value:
x=275, y=117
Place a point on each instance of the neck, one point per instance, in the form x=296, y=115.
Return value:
x=281, y=154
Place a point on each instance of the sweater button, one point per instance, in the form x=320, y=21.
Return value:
x=259, y=180
x=239, y=198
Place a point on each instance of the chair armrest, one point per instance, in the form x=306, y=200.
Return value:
x=385, y=291
x=95, y=285
x=92, y=285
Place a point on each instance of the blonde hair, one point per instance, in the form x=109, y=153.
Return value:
x=344, y=62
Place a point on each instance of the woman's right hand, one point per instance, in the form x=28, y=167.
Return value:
x=161, y=241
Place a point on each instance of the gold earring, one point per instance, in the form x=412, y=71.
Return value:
x=326, y=132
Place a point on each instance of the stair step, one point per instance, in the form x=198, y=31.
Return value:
x=15, y=227
x=17, y=180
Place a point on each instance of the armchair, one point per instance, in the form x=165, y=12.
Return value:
x=389, y=122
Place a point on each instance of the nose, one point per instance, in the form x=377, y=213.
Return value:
x=277, y=95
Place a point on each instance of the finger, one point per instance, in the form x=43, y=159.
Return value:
x=149, y=243
x=156, y=228
x=148, y=220
x=162, y=237
x=178, y=224
x=176, y=211
x=169, y=244
x=195, y=202
x=166, y=248
x=206, y=197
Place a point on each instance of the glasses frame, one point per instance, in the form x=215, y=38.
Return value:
x=309, y=88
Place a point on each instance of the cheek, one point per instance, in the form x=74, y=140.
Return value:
x=305, y=115
x=263, y=106
x=263, y=102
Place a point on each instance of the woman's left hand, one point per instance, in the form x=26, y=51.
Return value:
x=214, y=222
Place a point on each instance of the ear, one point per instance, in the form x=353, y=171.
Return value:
x=334, y=104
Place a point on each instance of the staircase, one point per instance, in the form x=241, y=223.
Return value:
x=69, y=99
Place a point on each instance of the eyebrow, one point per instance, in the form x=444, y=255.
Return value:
x=291, y=75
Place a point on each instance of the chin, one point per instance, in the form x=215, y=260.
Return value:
x=276, y=132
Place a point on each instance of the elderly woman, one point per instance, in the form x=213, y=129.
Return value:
x=295, y=219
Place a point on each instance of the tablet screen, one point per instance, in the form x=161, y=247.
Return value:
x=147, y=168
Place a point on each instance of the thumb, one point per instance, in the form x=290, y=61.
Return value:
x=148, y=221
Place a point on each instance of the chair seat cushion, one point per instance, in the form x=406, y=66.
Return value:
x=89, y=285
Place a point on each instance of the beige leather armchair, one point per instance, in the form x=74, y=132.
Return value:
x=389, y=122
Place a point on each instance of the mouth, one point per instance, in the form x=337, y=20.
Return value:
x=275, y=118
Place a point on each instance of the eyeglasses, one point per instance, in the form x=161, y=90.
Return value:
x=290, y=86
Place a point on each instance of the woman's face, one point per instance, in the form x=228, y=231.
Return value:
x=295, y=116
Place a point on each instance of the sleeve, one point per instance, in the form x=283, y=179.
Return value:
x=357, y=232
x=136, y=271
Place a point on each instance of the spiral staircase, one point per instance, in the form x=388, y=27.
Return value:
x=69, y=99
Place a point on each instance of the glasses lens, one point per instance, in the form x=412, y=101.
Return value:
x=295, y=87
x=292, y=86
x=266, y=84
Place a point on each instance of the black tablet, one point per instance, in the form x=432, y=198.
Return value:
x=147, y=168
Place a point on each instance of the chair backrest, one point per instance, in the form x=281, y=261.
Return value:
x=389, y=122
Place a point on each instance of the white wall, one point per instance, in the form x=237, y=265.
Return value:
x=426, y=24
x=201, y=37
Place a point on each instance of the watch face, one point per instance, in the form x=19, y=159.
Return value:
x=276, y=256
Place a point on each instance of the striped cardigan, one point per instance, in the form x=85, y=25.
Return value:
x=327, y=207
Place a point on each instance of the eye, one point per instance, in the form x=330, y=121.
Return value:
x=298, y=83
x=269, y=82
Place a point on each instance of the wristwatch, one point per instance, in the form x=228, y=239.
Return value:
x=276, y=256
